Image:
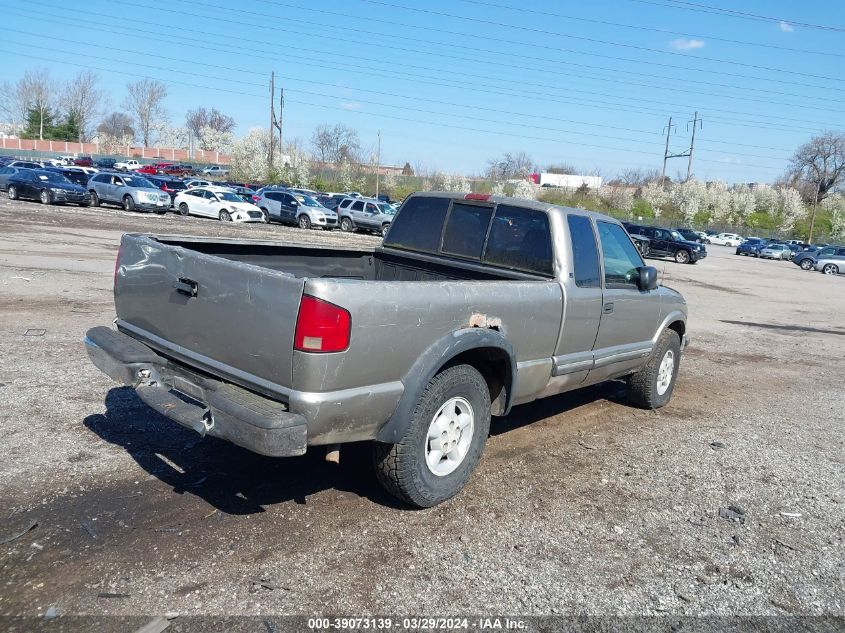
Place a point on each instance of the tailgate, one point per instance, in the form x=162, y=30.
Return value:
x=232, y=319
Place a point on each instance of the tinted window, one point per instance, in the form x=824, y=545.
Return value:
x=519, y=238
x=357, y=206
x=621, y=258
x=841, y=251
x=585, y=254
x=7, y=170
x=419, y=224
x=466, y=229
x=371, y=208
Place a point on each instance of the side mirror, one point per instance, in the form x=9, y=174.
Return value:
x=648, y=278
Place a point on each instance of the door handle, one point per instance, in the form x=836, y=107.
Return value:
x=607, y=308
x=186, y=286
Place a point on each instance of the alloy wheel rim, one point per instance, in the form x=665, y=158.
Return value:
x=665, y=372
x=449, y=436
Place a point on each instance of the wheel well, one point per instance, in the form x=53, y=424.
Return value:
x=494, y=365
x=679, y=327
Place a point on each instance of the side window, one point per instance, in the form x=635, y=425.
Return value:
x=371, y=208
x=841, y=251
x=585, y=254
x=826, y=252
x=660, y=234
x=418, y=224
x=357, y=206
x=466, y=229
x=621, y=258
x=520, y=238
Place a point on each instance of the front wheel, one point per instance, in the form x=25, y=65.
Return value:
x=304, y=222
x=45, y=197
x=806, y=264
x=682, y=257
x=385, y=228
x=183, y=209
x=443, y=441
x=830, y=269
x=128, y=203
x=346, y=225
x=266, y=215
x=652, y=386
x=13, y=192
x=225, y=216
x=95, y=199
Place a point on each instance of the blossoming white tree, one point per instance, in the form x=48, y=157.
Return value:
x=742, y=204
x=655, y=195
x=214, y=140
x=790, y=208
x=718, y=201
x=688, y=198
x=526, y=190
x=249, y=156
x=835, y=204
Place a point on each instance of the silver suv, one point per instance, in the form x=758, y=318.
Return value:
x=130, y=191
x=293, y=208
x=367, y=214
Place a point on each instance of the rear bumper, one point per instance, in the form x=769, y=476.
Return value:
x=198, y=402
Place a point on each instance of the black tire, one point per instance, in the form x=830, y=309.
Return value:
x=266, y=215
x=830, y=269
x=224, y=216
x=13, y=192
x=682, y=257
x=806, y=264
x=402, y=469
x=128, y=203
x=738, y=253
x=643, y=386
x=183, y=209
x=95, y=199
x=304, y=222
x=45, y=197
x=385, y=228
x=346, y=225
x=161, y=211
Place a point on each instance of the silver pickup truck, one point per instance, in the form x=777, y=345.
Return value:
x=471, y=305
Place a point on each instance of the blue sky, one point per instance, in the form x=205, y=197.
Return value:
x=453, y=83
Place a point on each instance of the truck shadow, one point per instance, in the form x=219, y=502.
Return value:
x=239, y=482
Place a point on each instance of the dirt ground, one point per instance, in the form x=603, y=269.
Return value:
x=581, y=504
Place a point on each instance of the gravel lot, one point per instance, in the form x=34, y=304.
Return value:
x=581, y=505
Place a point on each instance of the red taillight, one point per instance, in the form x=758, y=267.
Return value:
x=477, y=196
x=321, y=326
x=256, y=198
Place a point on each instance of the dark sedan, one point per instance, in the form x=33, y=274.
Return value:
x=5, y=174
x=105, y=163
x=46, y=186
x=752, y=246
x=76, y=177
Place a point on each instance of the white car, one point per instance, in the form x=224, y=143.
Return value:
x=190, y=184
x=128, y=165
x=217, y=202
x=726, y=239
x=215, y=170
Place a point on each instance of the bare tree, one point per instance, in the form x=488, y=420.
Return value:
x=117, y=125
x=144, y=101
x=510, y=166
x=83, y=101
x=32, y=95
x=201, y=118
x=638, y=176
x=336, y=144
x=563, y=168
x=13, y=102
x=820, y=162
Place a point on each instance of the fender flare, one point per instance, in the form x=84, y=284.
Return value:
x=429, y=363
x=675, y=315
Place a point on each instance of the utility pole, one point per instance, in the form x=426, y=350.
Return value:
x=281, y=116
x=272, y=119
x=666, y=153
x=378, y=162
x=695, y=122
x=813, y=216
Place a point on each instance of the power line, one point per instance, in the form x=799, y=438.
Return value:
x=438, y=124
x=455, y=16
x=651, y=29
x=531, y=45
x=703, y=8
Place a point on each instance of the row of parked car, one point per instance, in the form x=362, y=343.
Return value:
x=90, y=165
x=228, y=201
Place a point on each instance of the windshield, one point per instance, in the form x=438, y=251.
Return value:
x=386, y=208
x=228, y=196
x=53, y=177
x=138, y=182
x=308, y=201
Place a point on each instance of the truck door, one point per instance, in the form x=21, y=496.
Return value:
x=582, y=307
x=629, y=315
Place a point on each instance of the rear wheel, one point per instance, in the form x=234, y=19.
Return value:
x=225, y=216
x=443, y=442
x=682, y=257
x=95, y=199
x=346, y=225
x=304, y=222
x=806, y=264
x=45, y=197
x=830, y=269
x=13, y=192
x=128, y=203
x=652, y=386
x=385, y=228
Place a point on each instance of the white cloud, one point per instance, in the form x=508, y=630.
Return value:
x=686, y=45
x=350, y=105
x=786, y=27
